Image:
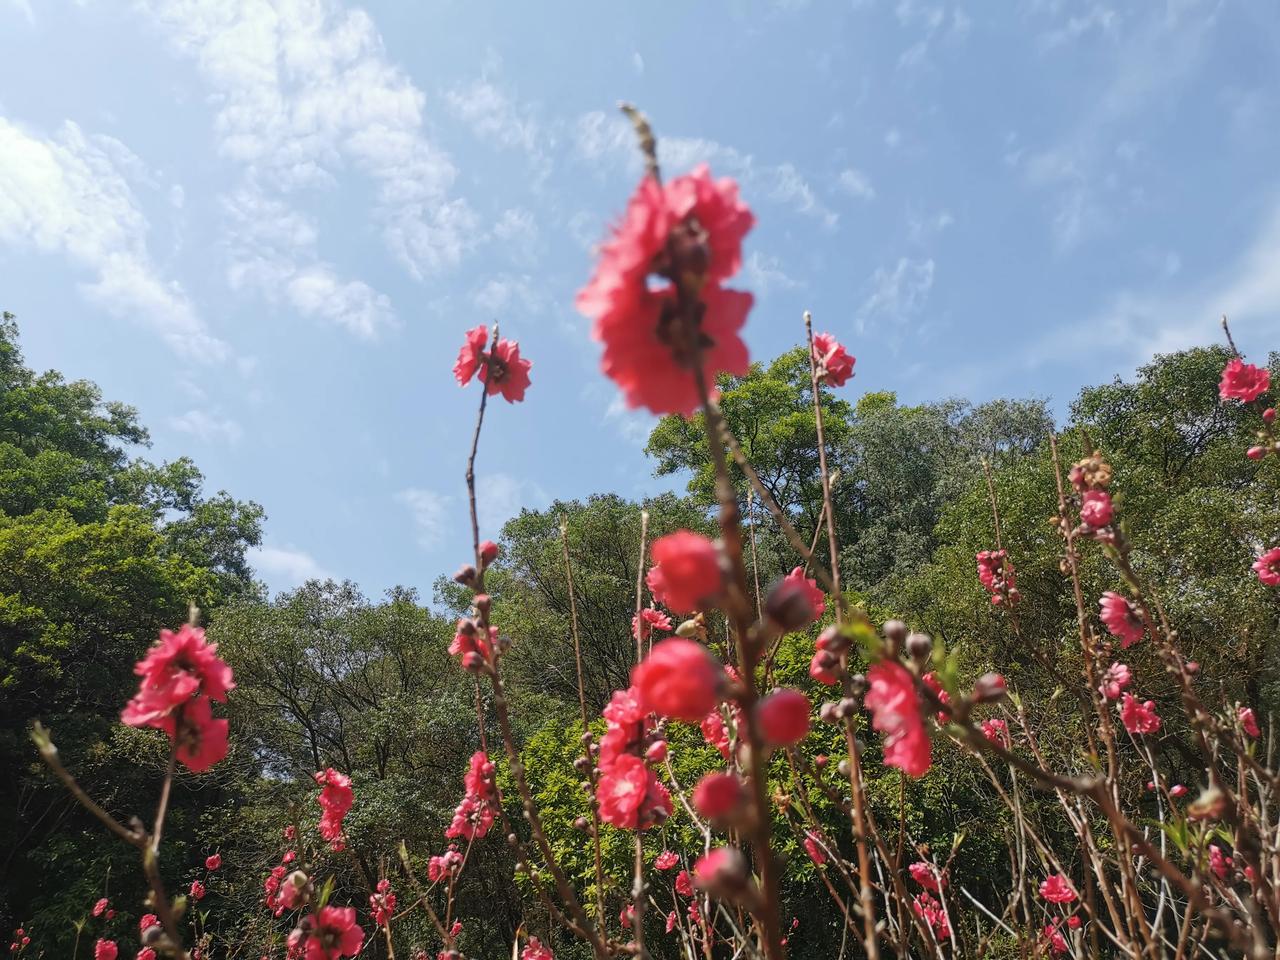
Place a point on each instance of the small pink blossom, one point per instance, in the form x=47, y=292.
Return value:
x=783, y=717
x=1248, y=722
x=1139, y=717
x=1243, y=381
x=813, y=847
x=1057, y=889
x=1095, y=509
x=679, y=679
x=1121, y=618
x=895, y=711
x=1267, y=567
x=1116, y=680
x=666, y=860
x=105, y=950
x=835, y=365
x=686, y=574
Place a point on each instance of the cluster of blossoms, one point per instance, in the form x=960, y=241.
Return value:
x=327, y=935
x=475, y=813
x=20, y=941
x=997, y=576
x=534, y=949
x=335, y=799
x=628, y=792
x=501, y=370
x=835, y=365
x=444, y=865
x=181, y=674
x=895, y=712
x=926, y=905
x=382, y=903
x=656, y=297
x=1090, y=480
x=1246, y=382
x=281, y=893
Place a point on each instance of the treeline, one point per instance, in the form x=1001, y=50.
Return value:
x=99, y=548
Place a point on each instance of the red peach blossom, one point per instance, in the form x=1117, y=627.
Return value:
x=1095, y=509
x=506, y=372
x=105, y=950
x=1267, y=567
x=895, y=711
x=679, y=679
x=783, y=717
x=1243, y=381
x=1057, y=889
x=719, y=796
x=1248, y=722
x=835, y=365
x=686, y=573
x=1139, y=717
x=1121, y=618
x=471, y=356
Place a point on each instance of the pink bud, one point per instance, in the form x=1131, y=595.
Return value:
x=488, y=552
x=1255, y=453
x=784, y=717
x=657, y=751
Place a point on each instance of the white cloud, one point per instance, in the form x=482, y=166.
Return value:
x=273, y=250
x=637, y=63
x=1098, y=18
x=898, y=293
x=428, y=510
x=502, y=294
x=286, y=565
x=601, y=137
x=1169, y=318
x=24, y=8
x=70, y=194
x=856, y=183
x=764, y=273
x=207, y=427
x=304, y=89
x=501, y=496
x=633, y=425
x=493, y=116
x=518, y=232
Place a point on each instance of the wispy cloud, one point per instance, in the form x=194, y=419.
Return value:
x=856, y=184
x=1173, y=316
x=897, y=293
x=764, y=274
x=602, y=137
x=286, y=566
x=428, y=510
x=501, y=496
x=207, y=427
x=70, y=194
x=304, y=90
x=496, y=117
x=273, y=250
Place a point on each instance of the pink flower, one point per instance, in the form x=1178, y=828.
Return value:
x=335, y=934
x=534, y=950
x=439, y=867
x=666, y=860
x=1219, y=862
x=506, y=372
x=680, y=679
x=105, y=950
x=648, y=348
x=630, y=796
x=627, y=726
x=1074, y=921
x=471, y=355
x=488, y=552
x=336, y=798
x=819, y=670
x=715, y=732
x=1096, y=509
x=475, y=813
x=1248, y=722
x=382, y=903
x=672, y=920
x=813, y=847
x=1057, y=889
x=1116, y=680
x=1267, y=567
x=1243, y=381
x=200, y=741
x=1121, y=618
x=684, y=884
x=1139, y=717
x=895, y=711
x=1053, y=939
x=997, y=576
x=996, y=730
x=146, y=953
x=197, y=890
x=1177, y=790
x=719, y=796
x=686, y=573
x=213, y=862
x=927, y=875
x=178, y=667
x=927, y=908
x=100, y=907
x=835, y=366
x=648, y=620
x=808, y=588
x=783, y=717
x=148, y=921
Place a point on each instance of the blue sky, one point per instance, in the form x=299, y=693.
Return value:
x=266, y=223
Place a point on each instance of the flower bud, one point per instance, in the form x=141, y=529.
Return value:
x=1269, y=416
x=722, y=873
x=1255, y=453
x=657, y=751
x=858, y=684
x=1208, y=806
x=472, y=662
x=783, y=717
x=919, y=646
x=895, y=631
x=788, y=605
x=466, y=576
x=483, y=603
x=848, y=707
x=990, y=688
x=821, y=761
x=488, y=552
x=582, y=764
x=720, y=797
x=829, y=712
x=826, y=659
x=833, y=641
